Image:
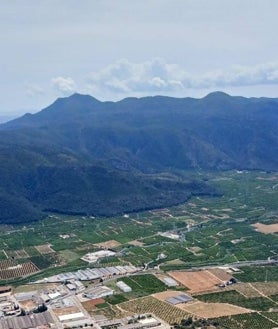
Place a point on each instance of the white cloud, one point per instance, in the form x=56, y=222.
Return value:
x=157, y=75
x=261, y=74
x=149, y=76
x=63, y=85
x=33, y=90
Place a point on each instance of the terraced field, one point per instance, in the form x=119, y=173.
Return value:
x=163, y=310
x=10, y=269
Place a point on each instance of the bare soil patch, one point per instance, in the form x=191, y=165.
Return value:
x=220, y=274
x=91, y=304
x=36, y=286
x=197, y=281
x=66, y=310
x=266, y=229
x=194, y=250
x=28, y=305
x=108, y=244
x=45, y=249
x=212, y=310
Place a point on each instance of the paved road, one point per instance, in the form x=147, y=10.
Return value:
x=236, y=264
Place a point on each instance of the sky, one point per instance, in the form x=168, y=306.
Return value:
x=112, y=49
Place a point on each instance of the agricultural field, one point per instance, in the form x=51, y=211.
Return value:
x=91, y=305
x=143, y=285
x=163, y=310
x=212, y=310
x=212, y=232
x=110, y=244
x=45, y=249
x=166, y=294
x=246, y=321
x=10, y=269
x=207, y=227
x=16, y=254
x=234, y=298
x=255, y=289
x=115, y=299
x=258, y=274
x=201, y=281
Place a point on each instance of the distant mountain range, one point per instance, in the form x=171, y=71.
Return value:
x=83, y=156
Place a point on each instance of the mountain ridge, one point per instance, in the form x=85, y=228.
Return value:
x=130, y=145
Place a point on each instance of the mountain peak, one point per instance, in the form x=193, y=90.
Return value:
x=61, y=110
x=217, y=95
x=77, y=98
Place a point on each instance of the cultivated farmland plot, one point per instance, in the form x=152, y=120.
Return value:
x=207, y=227
x=10, y=269
x=16, y=254
x=234, y=298
x=212, y=310
x=163, y=310
x=256, y=289
x=200, y=281
x=45, y=249
x=246, y=321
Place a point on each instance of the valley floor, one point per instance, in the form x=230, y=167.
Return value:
x=219, y=252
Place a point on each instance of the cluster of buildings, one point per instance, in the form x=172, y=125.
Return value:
x=98, y=292
x=70, y=313
x=39, y=321
x=57, y=303
x=55, y=306
x=90, y=274
x=139, y=321
x=23, y=311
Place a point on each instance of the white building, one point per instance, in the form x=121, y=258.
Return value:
x=98, y=292
x=123, y=286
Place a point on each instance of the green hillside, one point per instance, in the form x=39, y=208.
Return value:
x=83, y=156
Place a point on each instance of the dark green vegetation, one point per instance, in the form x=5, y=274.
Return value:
x=245, y=321
x=213, y=230
x=144, y=285
x=220, y=232
x=116, y=299
x=82, y=156
x=258, y=274
x=191, y=323
x=235, y=298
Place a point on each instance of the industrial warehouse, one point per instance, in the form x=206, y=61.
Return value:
x=93, y=274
